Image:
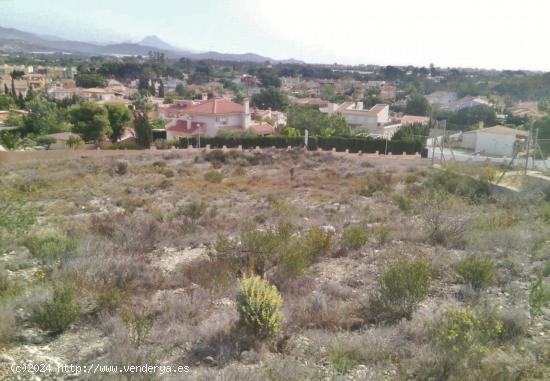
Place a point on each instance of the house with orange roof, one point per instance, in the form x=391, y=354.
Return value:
x=207, y=118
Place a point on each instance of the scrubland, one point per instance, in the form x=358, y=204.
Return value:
x=272, y=265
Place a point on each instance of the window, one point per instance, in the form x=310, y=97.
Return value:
x=221, y=120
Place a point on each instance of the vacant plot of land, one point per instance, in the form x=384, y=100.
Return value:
x=383, y=269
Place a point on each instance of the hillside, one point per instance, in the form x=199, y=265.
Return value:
x=386, y=269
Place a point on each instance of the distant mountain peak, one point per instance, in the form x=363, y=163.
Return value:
x=156, y=42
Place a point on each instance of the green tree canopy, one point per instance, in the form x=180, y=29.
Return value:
x=268, y=78
x=414, y=131
x=89, y=80
x=316, y=122
x=119, y=115
x=6, y=102
x=92, y=121
x=469, y=118
x=272, y=98
x=417, y=105
x=43, y=117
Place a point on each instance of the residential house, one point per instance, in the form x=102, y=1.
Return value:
x=494, y=141
x=358, y=117
x=263, y=129
x=468, y=102
x=60, y=93
x=278, y=117
x=97, y=94
x=443, y=99
x=207, y=117
x=36, y=81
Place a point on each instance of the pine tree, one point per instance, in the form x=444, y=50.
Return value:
x=161, y=89
x=152, y=89
x=21, y=101
x=6, y=89
x=30, y=94
x=13, y=93
x=143, y=129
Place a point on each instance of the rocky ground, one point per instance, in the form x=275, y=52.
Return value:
x=137, y=238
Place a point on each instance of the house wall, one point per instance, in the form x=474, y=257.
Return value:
x=495, y=144
x=355, y=120
x=214, y=123
x=469, y=140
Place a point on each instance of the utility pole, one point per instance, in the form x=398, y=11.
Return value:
x=528, y=153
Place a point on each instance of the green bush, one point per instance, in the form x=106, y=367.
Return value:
x=259, y=305
x=354, y=238
x=476, y=190
x=299, y=253
x=462, y=337
x=58, y=314
x=478, y=272
x=213, y=177
x=48, y=244
x=537, y=297
x=404, y=202
x=15, y=216
x=402, y=286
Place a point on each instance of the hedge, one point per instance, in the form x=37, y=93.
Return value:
x=366, y=145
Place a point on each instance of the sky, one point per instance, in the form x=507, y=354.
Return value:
x=505, y=34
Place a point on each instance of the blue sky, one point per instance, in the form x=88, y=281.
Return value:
x=501, y=34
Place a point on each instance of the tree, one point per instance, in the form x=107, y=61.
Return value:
x=6, y=89
x=469, y=118
x=272, y=98
x=21, y=102
x=161, y=89
x=152, y=89
x=88, y=80
x=6, y=102
x=43, y=117
x=143, y=129
x=13, y=92
x=317, y=123
x=91, y=121
x=414, y=131
x=268, y=78
x=417, y=105
x=119, y=115
x=46, y=141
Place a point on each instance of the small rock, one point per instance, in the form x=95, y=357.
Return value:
x=210, y=360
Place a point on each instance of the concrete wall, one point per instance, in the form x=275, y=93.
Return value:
x=495, y=144
x=469, y=140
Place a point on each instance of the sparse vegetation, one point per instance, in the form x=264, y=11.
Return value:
x=420, y=279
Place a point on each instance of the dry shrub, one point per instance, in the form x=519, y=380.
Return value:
x=135, y=234
x=446, y=218
x=214, y=275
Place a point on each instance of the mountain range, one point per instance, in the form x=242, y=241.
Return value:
x=17, y=41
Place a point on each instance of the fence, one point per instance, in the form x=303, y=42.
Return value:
x=339, y=144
